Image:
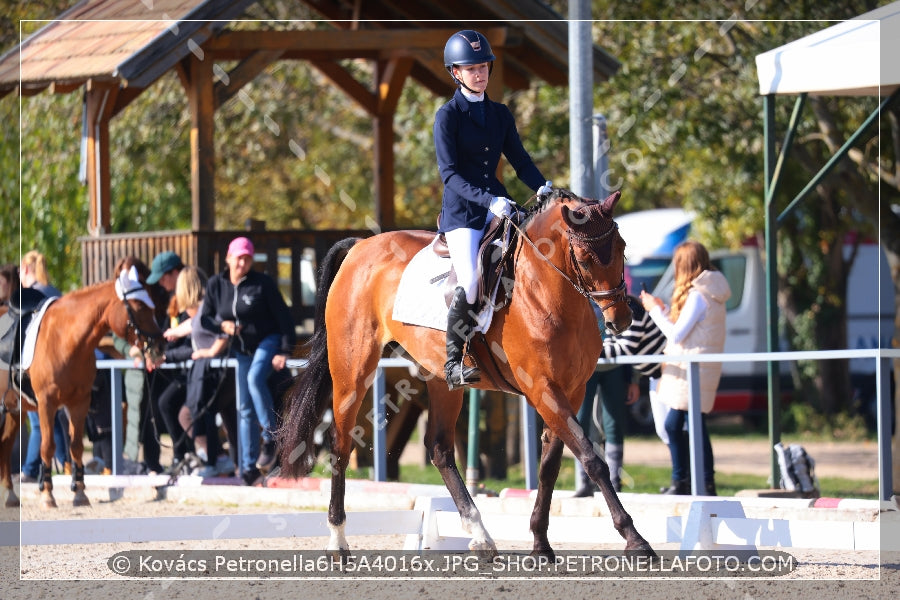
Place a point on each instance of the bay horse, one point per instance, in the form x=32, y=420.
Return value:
x=64, y=366
x=545, y=342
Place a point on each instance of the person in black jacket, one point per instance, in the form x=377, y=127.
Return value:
x=169, y=387
x=470, y=134
x=248, y=306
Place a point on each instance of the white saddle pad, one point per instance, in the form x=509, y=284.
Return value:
x=421, y=301
x=31, y=334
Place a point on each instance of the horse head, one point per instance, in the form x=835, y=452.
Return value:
x=597, y=257
x=139, y=323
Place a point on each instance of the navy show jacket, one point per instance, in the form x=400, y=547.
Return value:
x=468, y=154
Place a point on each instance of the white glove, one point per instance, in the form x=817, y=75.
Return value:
x=502, y=207
x=545, y=189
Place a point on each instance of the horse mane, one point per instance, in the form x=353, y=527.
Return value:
x=556, y=196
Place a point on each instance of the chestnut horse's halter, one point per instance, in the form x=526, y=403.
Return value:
x=142, y=336
x=617, y=294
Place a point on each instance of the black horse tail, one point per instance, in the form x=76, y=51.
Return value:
x=308, y=398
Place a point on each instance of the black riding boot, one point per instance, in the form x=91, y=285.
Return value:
x=679, y=487
x=460, y=324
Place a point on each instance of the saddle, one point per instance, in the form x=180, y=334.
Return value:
x=495, y=250
x=495, y=286
x=24, y=309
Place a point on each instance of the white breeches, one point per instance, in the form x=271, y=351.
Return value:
x=463, y=245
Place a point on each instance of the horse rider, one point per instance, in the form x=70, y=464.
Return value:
x=470, y=134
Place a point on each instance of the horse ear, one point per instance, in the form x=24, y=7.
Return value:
x=575, y=218
x=610, y=202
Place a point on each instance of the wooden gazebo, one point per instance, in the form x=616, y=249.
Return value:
x=113, y=50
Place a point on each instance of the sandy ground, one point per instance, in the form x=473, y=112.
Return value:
x=82, y=570
x=43, y=571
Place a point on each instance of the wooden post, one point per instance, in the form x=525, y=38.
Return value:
x=100, y=102
x=390, y=76
x=201, y=101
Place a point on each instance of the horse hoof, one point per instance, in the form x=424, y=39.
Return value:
x=340, y=556
x=12, y=500
x=81, y=500
x=641, y=548
x=483, y=549
x=48, y=503
x=546, y=552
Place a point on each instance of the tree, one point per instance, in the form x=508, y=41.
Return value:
x=684, y=117
x=686, y=127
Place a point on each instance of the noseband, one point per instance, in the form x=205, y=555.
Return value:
x=588, y=243
x=141, y=335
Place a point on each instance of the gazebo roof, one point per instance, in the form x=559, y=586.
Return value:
x=101, y=40
x=133, y=42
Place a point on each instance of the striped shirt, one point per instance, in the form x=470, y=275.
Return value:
x=643, y=337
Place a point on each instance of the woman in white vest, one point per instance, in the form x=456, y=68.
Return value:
x=694, y=324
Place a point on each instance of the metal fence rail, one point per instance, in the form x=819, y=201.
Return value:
x=882, y=359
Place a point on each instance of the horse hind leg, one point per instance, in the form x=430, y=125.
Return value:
x=76, y=450
x=349, y=390
x=443, y=411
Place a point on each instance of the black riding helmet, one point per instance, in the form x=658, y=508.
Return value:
x=467, y=47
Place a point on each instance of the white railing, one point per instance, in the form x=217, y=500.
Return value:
x=882, y=359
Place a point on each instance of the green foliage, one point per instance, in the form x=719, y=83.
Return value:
x=150, y=168
x=684, y=118
x=807, y=422
x=54, y=206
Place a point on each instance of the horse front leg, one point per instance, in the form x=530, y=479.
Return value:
x=554, y=409
x=597, y=469
x=444, y=408
x=76, y=450
x=548, y=473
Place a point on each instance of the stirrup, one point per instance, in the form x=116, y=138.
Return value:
x=460, y=375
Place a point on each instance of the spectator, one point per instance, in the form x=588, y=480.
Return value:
x=643, y=337
x=9, y=281
x=197, y=416
x=607, y=389
x=98, y=422
x=248, y=306
x=470, y=133
x=694, y=324
x=169, y=386
x=33, y=274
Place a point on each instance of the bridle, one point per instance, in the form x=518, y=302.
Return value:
x=142, y=336
x=617, y=294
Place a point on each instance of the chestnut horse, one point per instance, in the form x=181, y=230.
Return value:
x=64, y=366
x=545, y=343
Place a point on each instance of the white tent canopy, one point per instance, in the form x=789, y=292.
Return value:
x=859, y=57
